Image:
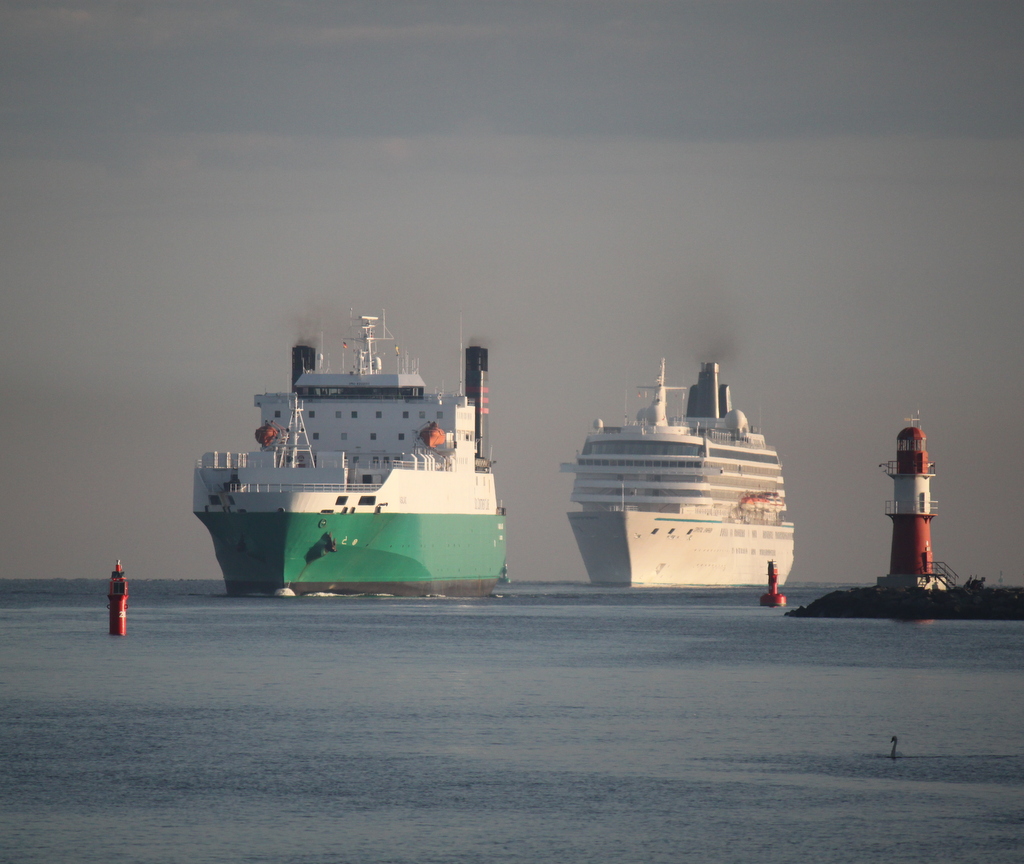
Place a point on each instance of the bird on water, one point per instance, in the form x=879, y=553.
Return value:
x=893, y=754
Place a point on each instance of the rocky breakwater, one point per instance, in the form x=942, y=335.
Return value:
x=918, y=604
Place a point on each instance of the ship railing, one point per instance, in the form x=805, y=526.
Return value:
x=721, y=436
x=218, y=459
x=422, y=463
x=305, y=487
x=223, y=459
x=896, y=508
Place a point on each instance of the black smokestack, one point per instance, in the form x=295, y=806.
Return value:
x=477, y=392
x=704, y=398
x=724, y=400
x=303, y=360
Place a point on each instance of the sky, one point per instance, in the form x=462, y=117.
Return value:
x=825, y=197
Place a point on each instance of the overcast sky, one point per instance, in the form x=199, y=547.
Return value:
x=825, y=197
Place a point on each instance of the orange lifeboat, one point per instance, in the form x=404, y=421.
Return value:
x=761, y=501
x=266, y=434
x=432, y=435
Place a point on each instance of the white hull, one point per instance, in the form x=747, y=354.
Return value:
x=629, y=547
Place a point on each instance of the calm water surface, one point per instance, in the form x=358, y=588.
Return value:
x=555, y=723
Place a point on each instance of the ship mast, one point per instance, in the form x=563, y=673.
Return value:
x=656, y=414
x=292, y=449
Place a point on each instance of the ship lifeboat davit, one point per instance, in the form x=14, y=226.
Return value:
x=761, y=502
x=266, y=434
x=432, y=435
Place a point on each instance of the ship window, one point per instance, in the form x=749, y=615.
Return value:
x=367, y=478
x=373, y=436
x=326, y=511
x=344, y=436
x=440, y=415
x=641, y=448
x=312, y=413
x=316, y=436
x=337, y=415
x=655, y=531
x=671, y=530
x=368, y=500
x=401, y=435
x=744, y=456
x=231, y=500
x=277, y=413
x=423, y=415
x=355, y=415
x=342, y=499
x=380, y=414
x=405, y=415
x=214, y=499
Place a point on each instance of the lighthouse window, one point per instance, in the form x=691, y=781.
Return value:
x=373, y=436
x=920, y=501
x=401, y=435
x=380, y=414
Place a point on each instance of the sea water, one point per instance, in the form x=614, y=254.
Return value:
x=553, y=723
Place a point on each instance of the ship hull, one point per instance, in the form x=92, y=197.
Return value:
x=405, y=554
x=626, y=548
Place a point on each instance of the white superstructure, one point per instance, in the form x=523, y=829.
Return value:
x=693, y=500
x=377, y=438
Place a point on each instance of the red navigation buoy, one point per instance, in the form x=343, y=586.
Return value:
x=118, y=606
x=773, y=597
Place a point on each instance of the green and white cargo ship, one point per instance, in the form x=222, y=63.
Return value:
x=364, y=483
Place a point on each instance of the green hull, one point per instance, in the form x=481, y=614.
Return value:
x=407, y=554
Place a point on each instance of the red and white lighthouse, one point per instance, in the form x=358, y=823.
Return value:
x=118, y=606
x=911, y=509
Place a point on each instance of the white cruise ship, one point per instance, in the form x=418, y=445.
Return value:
x=676, y=501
